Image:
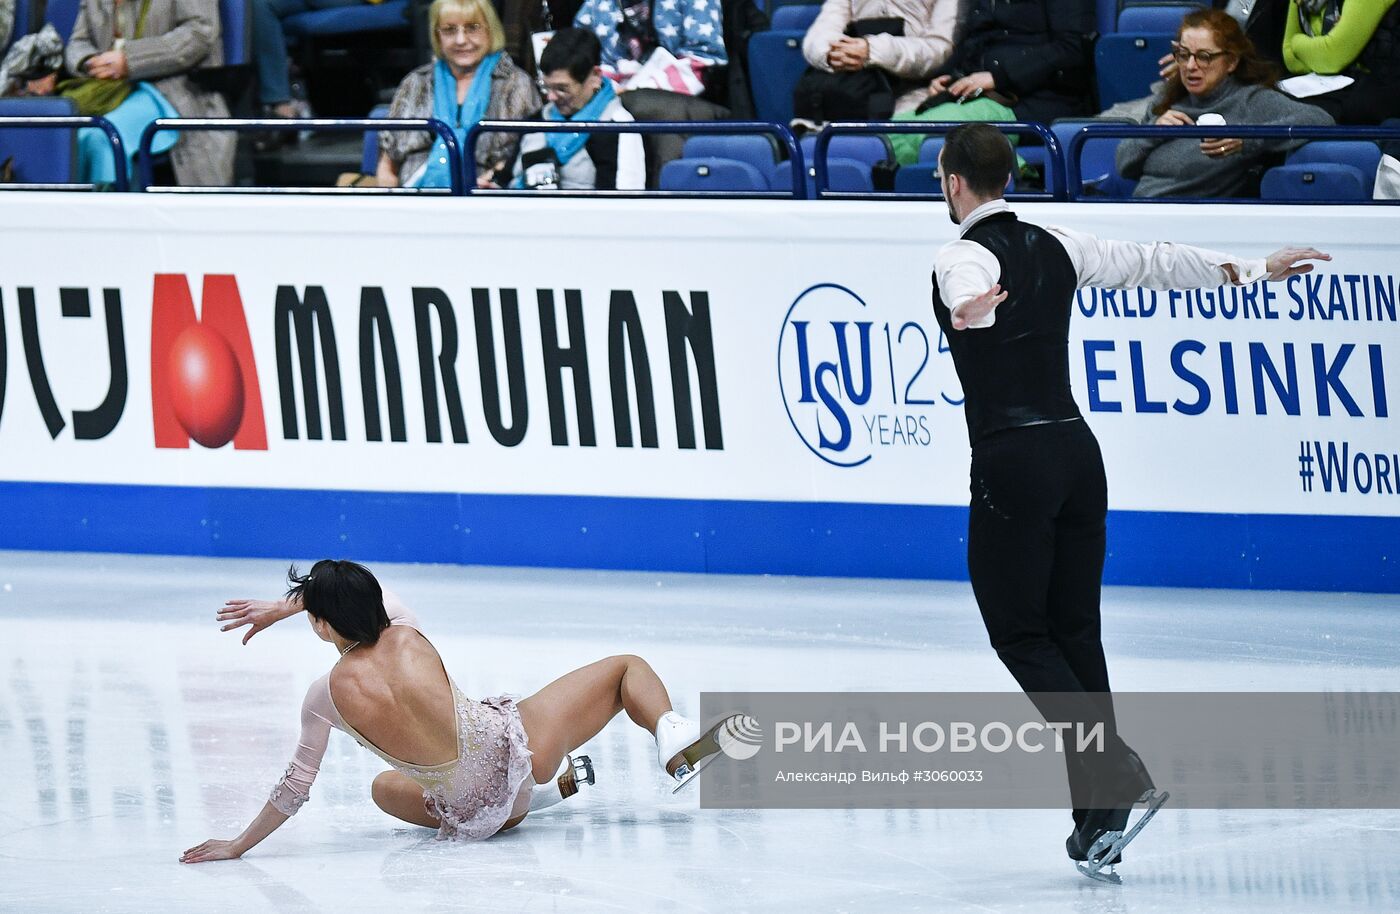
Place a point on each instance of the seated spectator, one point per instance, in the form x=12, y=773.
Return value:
x=870, y=58
x=154, y=44
x=676, y=39
x=1218, y=73
x=270, y=51
x=471, y=79
x=1358, y=38
x=1034, y=56
x=575, y=90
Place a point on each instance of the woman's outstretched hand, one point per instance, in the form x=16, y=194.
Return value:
x=257, y=613
x=213, y=849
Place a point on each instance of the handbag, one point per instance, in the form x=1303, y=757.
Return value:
x=866, y=94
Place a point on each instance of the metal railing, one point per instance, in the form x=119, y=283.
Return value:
x=120, y=182
x=1055, y=176
x=1225, y=131
x=145, y=159
x=723, y=128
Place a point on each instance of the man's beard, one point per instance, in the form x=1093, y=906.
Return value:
x=952, y=213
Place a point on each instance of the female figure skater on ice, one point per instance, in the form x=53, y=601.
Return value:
x=467, y=768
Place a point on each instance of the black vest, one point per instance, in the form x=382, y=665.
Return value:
x=1016, y=372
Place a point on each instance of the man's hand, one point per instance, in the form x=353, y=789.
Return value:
x=848, y=55
x=108, y=65
x=974, y=310
x=1286, y=262
x=973, y=86
x=257, y=613
x=939, y=85
x=213, y=849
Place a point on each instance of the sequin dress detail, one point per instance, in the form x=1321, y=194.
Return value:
x=472, y=796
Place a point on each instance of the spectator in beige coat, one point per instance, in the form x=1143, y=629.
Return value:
x=113, y=41
x=911, y=58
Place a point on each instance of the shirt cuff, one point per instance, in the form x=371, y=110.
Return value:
x=1250, y=271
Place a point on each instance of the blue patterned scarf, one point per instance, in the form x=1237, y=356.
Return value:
x=459, y=117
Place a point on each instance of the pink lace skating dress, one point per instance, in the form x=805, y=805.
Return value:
x=472, y=796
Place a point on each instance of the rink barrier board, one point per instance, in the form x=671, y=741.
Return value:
x=1228, y=424
x=1289, y=552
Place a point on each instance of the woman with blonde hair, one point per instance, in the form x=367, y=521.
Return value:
x=471, y=78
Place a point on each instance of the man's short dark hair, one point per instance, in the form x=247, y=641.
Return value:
x=981, y=155
x=574, y=50
x=345, y=594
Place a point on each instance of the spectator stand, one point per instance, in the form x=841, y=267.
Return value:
x=1125, y=64
x=775, y=65
x=914, y=188
x=234, y=79
x=48, y=161
x=353, y=56
x=684, y=177
x=1301, y=179
x=1154, y=17
x=62, y=13
x=145, y=159
x=24, y=22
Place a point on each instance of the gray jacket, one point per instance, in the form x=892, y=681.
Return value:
x=180, y=36
x=1178, y=168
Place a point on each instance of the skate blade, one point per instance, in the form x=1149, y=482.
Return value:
x=1105, y=849
x=694, y=771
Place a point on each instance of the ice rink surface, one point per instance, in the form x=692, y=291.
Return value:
x=131, y=728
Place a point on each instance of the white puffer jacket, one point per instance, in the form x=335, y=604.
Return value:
x=926, y=44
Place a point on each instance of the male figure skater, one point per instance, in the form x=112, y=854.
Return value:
x=1003, y=294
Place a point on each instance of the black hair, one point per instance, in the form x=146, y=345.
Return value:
x=981, y=155
x=574, y=50
x=345, y=594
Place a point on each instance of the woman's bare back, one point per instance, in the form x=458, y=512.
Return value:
x=396, y=694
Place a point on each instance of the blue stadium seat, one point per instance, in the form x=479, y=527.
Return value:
x=844, y=175
x=1097, y=169
x=775, y=65
x=1106, y=12
x=1154, y=17
x=867, y=148
x=928, y=152
x=795, y=17
x=22, y=14
x=64, y=15
x=711, y=174
x=1363, y=155
x=236, y=24
x=41, y=156
x=389, y=16
x=1127, y=64
x=1318, y=181
x=756, y=149
x=369, y=159
x=917, y=179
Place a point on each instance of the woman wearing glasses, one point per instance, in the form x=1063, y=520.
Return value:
x=1219, y=79
x=471, y=78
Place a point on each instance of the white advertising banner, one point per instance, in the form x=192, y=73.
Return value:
x=765, y=350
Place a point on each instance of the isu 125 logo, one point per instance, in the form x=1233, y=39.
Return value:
x=854, y=383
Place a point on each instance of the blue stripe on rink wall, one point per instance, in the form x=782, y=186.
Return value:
x=1291, y=552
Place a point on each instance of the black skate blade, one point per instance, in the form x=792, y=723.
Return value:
x=1095, y=866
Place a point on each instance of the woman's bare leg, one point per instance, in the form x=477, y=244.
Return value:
x=401, y=797
x=572, y=709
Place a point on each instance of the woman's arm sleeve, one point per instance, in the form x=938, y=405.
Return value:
x=294, y=789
